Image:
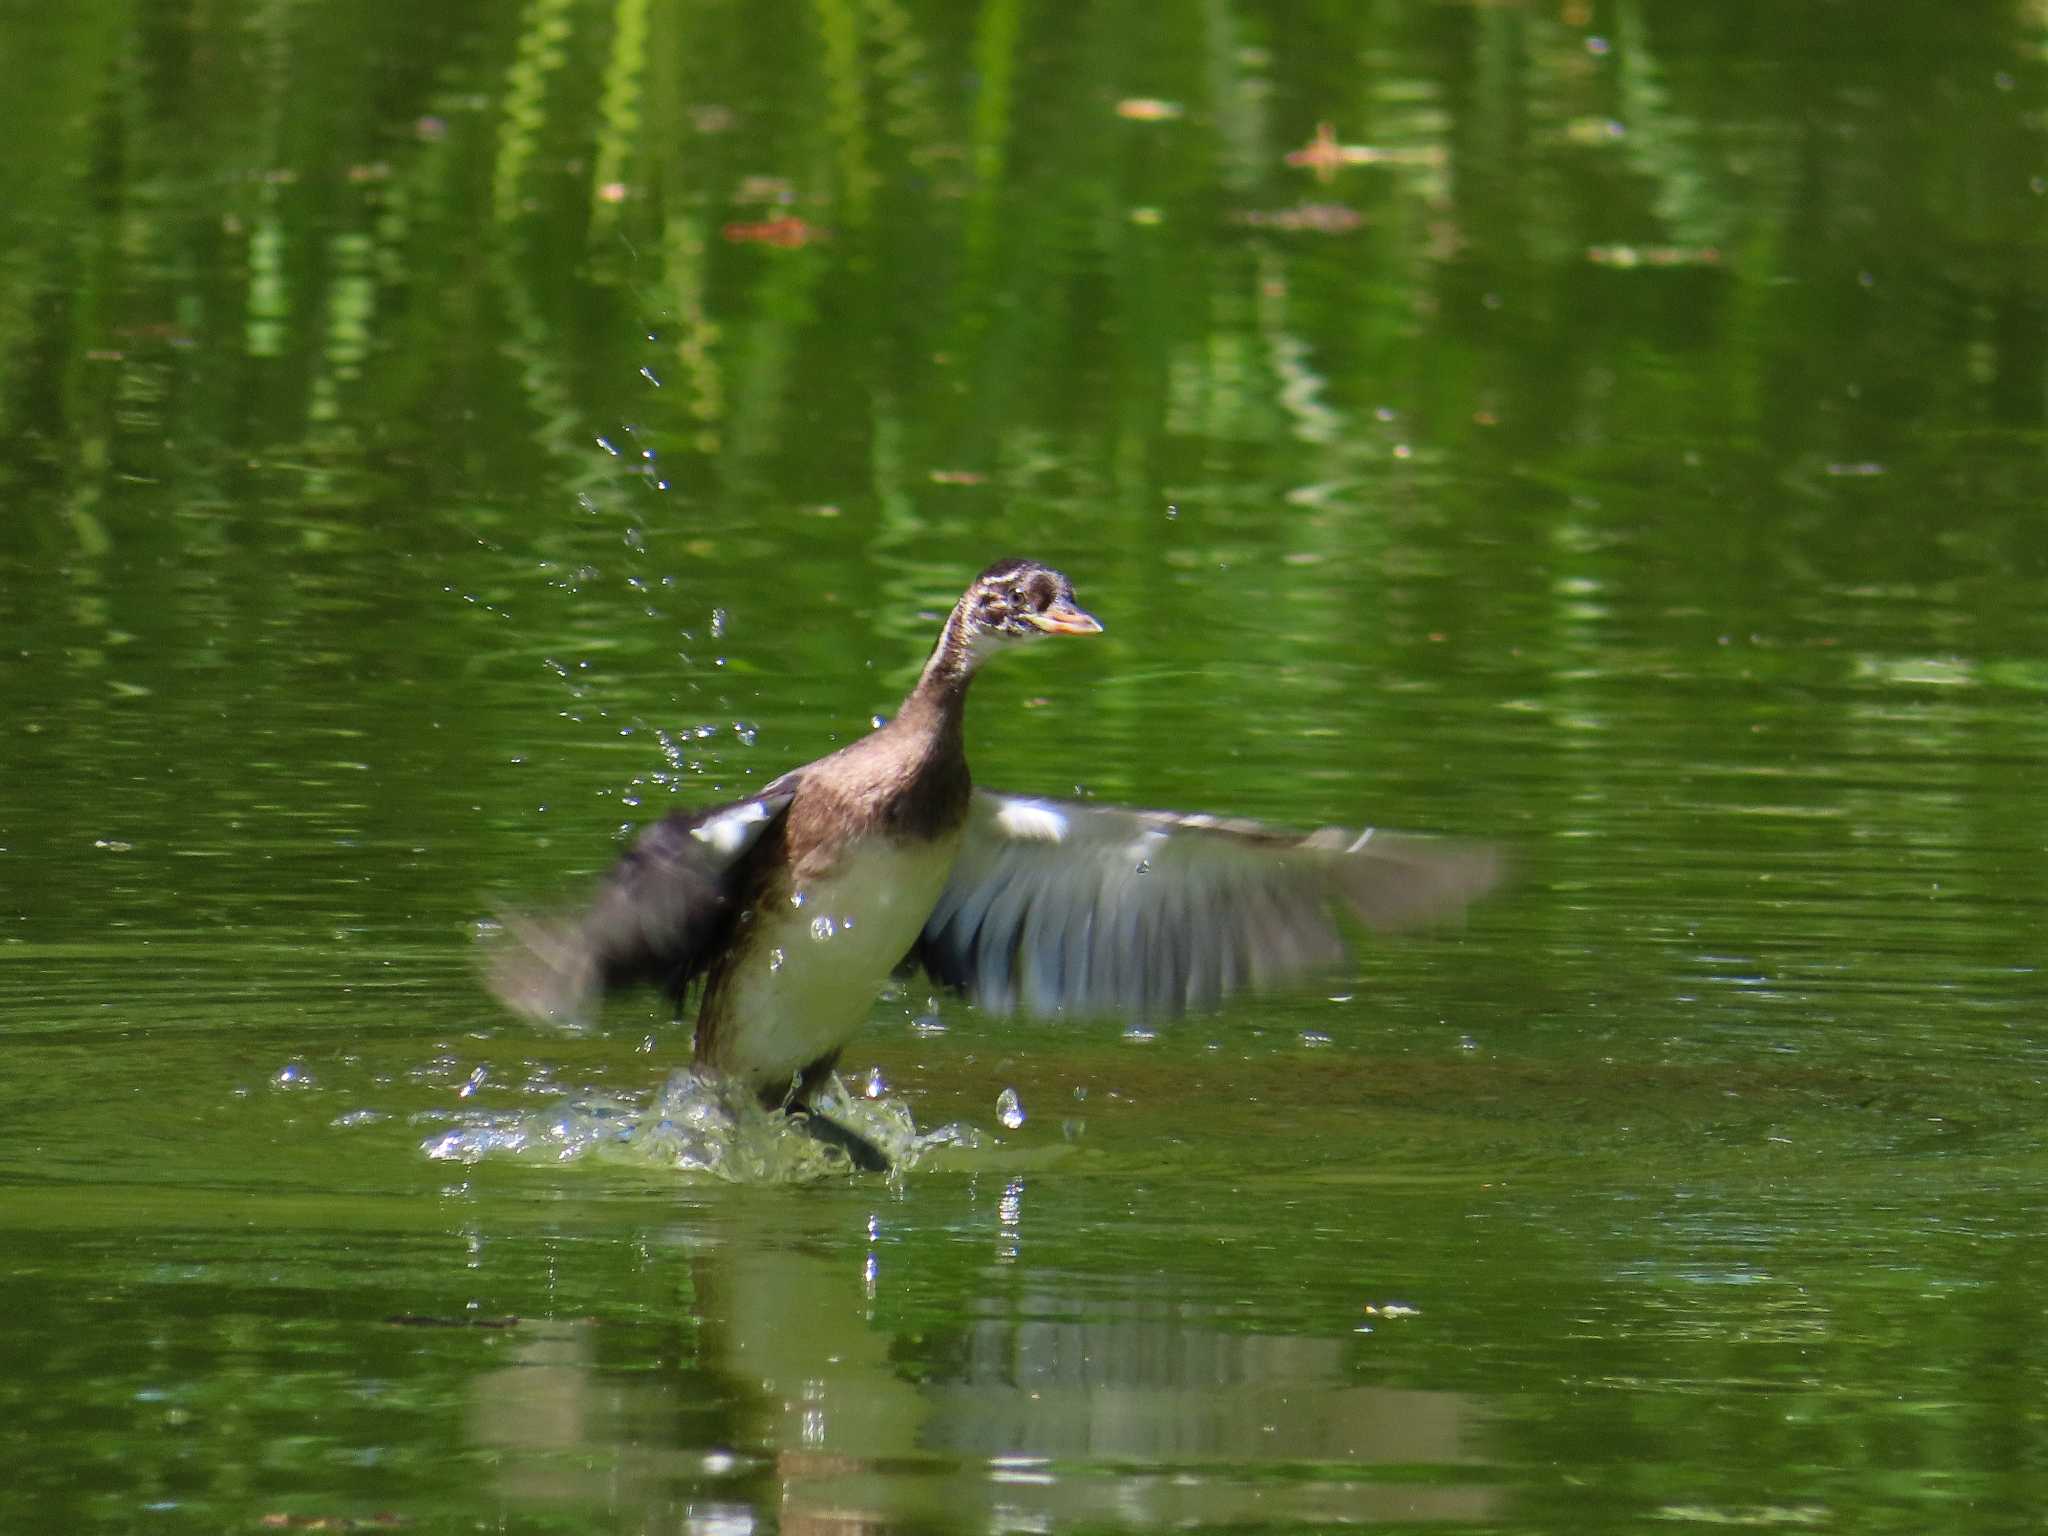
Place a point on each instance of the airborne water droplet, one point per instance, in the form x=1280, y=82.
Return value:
x=1009, y=1108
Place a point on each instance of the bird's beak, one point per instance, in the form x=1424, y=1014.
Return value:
x=1066, y=619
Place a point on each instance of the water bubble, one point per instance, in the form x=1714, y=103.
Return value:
x=822, y=927
x=1009, y=1108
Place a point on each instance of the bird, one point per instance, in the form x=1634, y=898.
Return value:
x=794, y=905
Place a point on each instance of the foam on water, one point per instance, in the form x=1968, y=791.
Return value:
x=701, y=1125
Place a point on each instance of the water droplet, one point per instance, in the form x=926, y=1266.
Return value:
x=718, y=623
x=774, y=960
x=1313, y=1038
x=822, y=927
x=1144, y=866
x=874, y=1088
x=746, y=733
x=292, y=1075
x=1009, y=1108
x=474, y=1082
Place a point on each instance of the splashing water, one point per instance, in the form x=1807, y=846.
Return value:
x=702, y=1125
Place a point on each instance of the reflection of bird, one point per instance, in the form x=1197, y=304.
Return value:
x=794, y=904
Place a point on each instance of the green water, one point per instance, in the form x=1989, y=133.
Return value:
x=417, y=468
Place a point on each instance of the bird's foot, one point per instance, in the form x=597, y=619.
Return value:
x=862, y=1153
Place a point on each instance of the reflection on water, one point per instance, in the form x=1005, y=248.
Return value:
x=1142, y=1414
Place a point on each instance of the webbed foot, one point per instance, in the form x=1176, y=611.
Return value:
x=862, y=1153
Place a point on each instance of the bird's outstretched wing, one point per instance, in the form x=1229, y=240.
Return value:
x=1061, y=906
x=657, y=919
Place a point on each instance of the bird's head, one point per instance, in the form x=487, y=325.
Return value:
x=1011, y=601
x=1022, y=600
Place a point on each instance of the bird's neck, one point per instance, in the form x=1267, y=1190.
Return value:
x=936, y=707
x=953, y=662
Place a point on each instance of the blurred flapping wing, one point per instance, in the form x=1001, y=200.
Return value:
x=1068, y=907
x=659, y=917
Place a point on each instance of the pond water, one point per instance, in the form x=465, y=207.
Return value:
x=435, y=440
